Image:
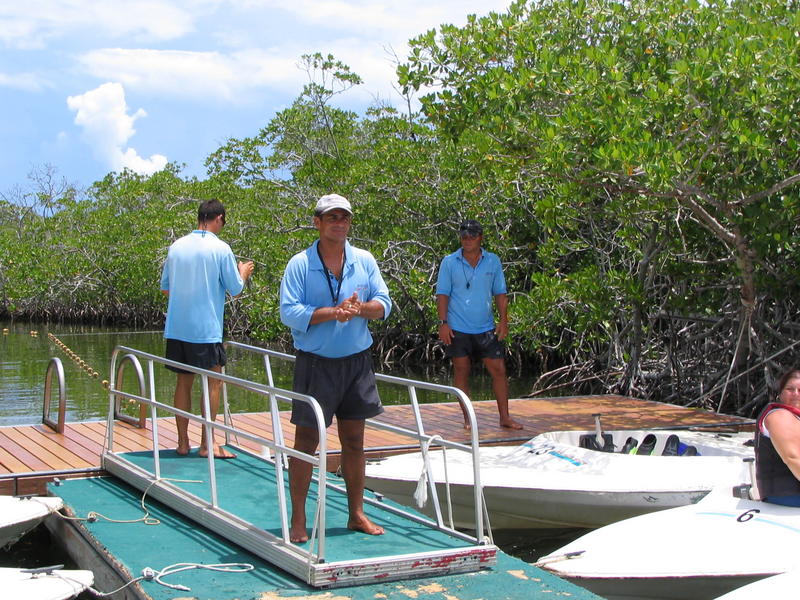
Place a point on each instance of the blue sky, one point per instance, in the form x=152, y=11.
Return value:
x=93, y=86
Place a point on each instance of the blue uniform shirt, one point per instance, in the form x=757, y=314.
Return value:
x=200, y=268
x=304, y=289
x=469, y=309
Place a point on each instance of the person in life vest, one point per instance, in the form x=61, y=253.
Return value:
x=778, y=444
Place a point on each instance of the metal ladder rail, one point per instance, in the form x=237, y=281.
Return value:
x=422, y=438
x=320, y=461
x=58, y=425
x=419, y=434
x=267, y=355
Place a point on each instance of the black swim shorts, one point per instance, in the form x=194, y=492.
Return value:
x=204, y=356
x=476, y=345
x=344, y=387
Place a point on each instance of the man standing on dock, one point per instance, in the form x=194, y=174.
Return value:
x=199, y=271
x=468, y=280
x=329, y=293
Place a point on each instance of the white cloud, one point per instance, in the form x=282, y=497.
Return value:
x=361, y=33
x=197, y=75
x=27, y=82
x=380, y=18
x=32, y=23
x=102, y=113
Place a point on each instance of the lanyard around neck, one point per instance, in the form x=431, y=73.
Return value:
x=474, y=269
x=328, y=274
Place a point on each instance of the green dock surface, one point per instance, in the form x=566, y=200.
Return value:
x=137, y=545
x=246, y=488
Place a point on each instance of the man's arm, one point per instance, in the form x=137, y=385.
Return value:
x=445, y=332
x=501, y=301
x=245, y=271
x=294, y=312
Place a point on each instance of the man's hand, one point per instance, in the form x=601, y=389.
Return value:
x=501, y=330
x=445, y=334
x=246, y=269
x=349, y=308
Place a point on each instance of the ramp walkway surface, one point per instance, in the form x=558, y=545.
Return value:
x=119, y=552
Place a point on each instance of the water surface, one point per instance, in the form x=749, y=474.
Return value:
x=26, y=349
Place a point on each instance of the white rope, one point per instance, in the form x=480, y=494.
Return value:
x=421, y=493
x=93, y=516
x=149, y=574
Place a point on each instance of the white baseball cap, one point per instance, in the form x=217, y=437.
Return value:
x=330, y=202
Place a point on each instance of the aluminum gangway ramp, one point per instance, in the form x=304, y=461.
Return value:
x=245, y=499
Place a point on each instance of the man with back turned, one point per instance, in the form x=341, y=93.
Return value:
x=199, y=271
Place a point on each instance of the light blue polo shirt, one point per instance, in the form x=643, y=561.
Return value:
x=469, y=309
x=200, y=269
x=304, y=288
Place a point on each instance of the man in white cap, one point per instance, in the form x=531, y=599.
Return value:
x=329, y=292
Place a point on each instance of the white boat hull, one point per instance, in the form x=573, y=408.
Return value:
x=785, y=585
x=693, y=552
x=19, y=515
x=547, y=483
x=58, y=585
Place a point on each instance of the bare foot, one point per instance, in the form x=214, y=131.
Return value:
x=220, y=453
x=298, y=533
x=182, y=449
x=467, y=426
x=510, y=423
x=365, y=525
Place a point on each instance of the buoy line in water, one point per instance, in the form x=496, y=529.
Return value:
x=82, y=364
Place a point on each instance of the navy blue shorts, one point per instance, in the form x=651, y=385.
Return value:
x=344, y=387
x=204, y=356
x=476, y=345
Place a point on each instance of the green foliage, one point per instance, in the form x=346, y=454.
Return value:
x=635, y=165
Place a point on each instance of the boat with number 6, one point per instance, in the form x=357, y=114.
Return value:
x=695, y=552
x=784, y=585
x=569, y=478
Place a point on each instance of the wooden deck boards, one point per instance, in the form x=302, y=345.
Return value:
x=37, y=449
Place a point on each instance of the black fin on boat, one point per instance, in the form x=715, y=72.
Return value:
x=671, y=446
x=647, y=445
x=629, y=445
x=589, y=441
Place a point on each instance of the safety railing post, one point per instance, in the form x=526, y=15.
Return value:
x=55, y=365
x=141, y=422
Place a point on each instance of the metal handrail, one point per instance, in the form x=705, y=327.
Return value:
x=55, y=363
x=418, y=434
x=141, y=422
x=270, y=392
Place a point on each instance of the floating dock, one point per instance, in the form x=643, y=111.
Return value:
x=245, y=501
x=119, y=552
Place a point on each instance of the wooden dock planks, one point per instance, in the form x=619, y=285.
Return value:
x=38, y=449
